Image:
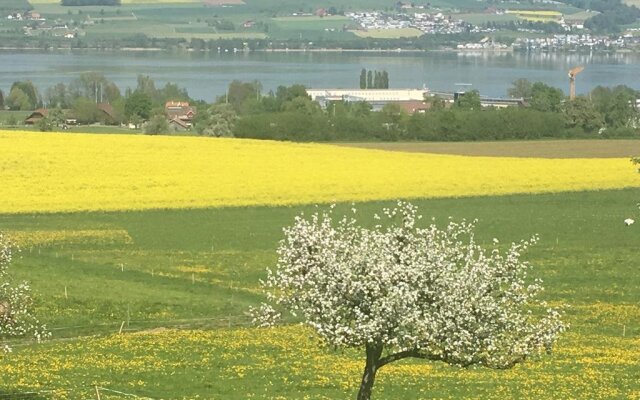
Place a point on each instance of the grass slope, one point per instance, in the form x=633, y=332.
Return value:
x=533, y=148
x=197, y=268
x=389, y=33
x=14, y=5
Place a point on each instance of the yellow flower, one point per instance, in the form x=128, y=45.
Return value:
x=75, y=172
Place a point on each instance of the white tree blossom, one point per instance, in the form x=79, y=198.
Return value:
x=398, y=290
x=16, y=314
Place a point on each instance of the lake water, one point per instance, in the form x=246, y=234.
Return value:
x=206, y=75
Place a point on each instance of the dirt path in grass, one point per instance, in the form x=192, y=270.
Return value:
x=541, y=149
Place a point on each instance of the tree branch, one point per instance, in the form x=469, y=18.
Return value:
x=415, y=353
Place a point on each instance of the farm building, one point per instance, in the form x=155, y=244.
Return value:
x=177, y=125
x=413, y=106
x=108, y=115
x=36, y=116
x=180, y=110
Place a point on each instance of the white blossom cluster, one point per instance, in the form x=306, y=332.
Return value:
x=16, y=304
x=414, y=292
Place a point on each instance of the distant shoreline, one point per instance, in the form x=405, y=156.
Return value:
x=316, y=50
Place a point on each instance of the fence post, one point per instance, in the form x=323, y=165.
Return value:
x=97, y=393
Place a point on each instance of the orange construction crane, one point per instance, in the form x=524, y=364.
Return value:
x=572, y=81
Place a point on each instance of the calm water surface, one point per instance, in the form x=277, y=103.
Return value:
x=207, y=75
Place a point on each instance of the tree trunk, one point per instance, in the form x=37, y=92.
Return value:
x=374, y=351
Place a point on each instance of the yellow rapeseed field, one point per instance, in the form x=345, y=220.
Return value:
x=49, y=172
x=52, y=237
x=536, y=13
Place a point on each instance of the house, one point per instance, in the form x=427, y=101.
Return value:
x=70, y=120
x=180, y=110
x=413, y=106
x=108, y=115
x=178, y=125
x=36, y=116
x=404, y=5
x=321, y=12
x=34, y=16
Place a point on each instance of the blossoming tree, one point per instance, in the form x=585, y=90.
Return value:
x=397, y=290
x=16, y=314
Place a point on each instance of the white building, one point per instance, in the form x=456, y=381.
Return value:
x=368, y=95
x=377, y=98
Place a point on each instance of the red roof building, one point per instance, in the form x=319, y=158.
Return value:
x=180, y=110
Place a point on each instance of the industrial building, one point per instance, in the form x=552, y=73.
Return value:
x=377, y=98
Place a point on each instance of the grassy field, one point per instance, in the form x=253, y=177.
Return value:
x=309, y=28
x=273, y=19
x=389, y=33
x=121, y=29
x=18, y=116
x=151, y=2
x=481, y=18
x=185, y=19
x=189, y=269
x=582, y=15
x=119, y=172
x=538, y=148
x=14, y=5
x=177, y=282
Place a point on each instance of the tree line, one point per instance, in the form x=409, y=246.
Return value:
x=245, y=110
x=90, y=2
x=289, y=114
x=82, y=99
x=374, y=79
x=611, y=14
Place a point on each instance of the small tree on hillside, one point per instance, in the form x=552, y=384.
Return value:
x=18, y=100
x=157, y=125
x=520, y=88
x=45, y=124
x=469, y=100
x=16, y=305
x=385, y=80
x=56, y=116
x=138, y=103
x=399, y=291
x=29, y=90
x=219, y=120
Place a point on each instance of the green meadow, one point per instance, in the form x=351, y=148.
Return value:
x=154, y=303
x=269, y=19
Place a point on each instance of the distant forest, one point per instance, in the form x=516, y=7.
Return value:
x=13, y=5
x=613, y=13
x=90, y=2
